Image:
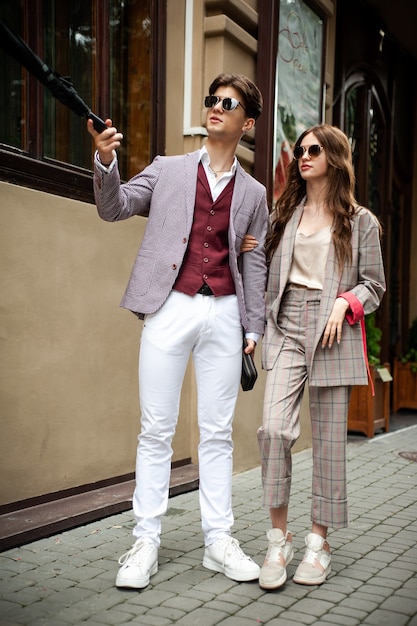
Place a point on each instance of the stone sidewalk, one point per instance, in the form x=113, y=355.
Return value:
x=68, y=579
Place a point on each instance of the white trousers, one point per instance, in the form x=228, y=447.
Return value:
x=210, y=329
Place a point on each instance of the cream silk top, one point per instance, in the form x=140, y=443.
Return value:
x=309, y=259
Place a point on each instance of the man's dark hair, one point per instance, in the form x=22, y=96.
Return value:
x=252, y=100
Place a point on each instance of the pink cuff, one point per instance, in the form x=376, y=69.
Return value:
x=355, y=313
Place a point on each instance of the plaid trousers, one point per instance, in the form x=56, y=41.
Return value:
x=281, y=424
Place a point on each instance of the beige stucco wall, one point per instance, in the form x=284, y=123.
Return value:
x=68, y=377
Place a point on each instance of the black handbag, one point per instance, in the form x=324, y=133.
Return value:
x=249, y=372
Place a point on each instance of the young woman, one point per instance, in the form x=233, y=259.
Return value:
x=325, y=274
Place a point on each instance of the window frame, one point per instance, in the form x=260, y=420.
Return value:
x=32, y=169
x=268, y=30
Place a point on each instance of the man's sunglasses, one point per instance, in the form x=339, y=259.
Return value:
x=228, y=104
x=312, y=151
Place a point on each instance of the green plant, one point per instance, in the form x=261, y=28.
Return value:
x=373, y=340
x=411, y=347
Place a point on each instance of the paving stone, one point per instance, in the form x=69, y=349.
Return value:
x=165, y=612
x=27, y=614
x=330, y=596
x=149, y=620
x=173, y=586
x=87, y=572
x=28, y=596
x=203, y=596
x=239, y=601
x=203, y=616
x=313, y=607
x=14, y=584
x=151, y=597
x=398, y=604
x=337, y=620
x=237, y=621
x=15, y=566
x=99, y=584
x=70, y=596
x=219, y=605
x=114, y=617
x=177, y=602
x=385, y=618
x=286, y=618
x=279, y=598
x=48, y=622
x=260, y=612
x=351, y=611
x=358, y=572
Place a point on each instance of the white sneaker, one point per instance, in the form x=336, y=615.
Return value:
x=315, y=566
x=227, y=557
x=280, y=553
x=138, y=565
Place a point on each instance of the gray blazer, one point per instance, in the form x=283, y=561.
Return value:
x=343, y=364
x=165, y=193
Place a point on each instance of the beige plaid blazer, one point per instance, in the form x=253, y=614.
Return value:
x=344, y=363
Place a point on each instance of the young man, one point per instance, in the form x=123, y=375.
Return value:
x=195, y=293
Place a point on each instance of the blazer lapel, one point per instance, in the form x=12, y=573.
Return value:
x=238, y=197
x=281, y=262
x=288, y=243
x=239, y=192
x=331, y=285
x=191, y=171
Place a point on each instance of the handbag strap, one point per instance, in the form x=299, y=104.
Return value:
x=365, y=349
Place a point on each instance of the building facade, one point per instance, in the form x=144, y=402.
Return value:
x=69, y=383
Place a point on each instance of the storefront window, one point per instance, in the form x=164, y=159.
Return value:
x=377, y=151
x=365, y=128
x=298, y=102
x=108, y=51
x=354, y=125
x=12, y=86
x=130, y=80
x=70, y=49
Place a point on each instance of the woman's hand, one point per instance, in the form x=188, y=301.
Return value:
x=249, y=243
x=106, y=142
x=334, y=324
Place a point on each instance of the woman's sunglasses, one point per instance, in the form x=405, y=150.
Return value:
x=228, y=104
x=312, y=151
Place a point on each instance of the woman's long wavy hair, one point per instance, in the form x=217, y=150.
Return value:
x=338, y=194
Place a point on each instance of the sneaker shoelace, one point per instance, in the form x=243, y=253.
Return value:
x=275, y=553
x=311, y=556
x=235, y=551
x=137, y=553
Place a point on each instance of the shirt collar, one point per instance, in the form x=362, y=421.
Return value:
x=205, y=159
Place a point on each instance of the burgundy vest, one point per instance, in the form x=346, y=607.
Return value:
x=207, y=256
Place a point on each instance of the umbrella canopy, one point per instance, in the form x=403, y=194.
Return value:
x=61, y=87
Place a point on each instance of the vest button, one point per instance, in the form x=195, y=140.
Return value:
x=205, y=276
x=209, y=228
x=211, y=212
x=205, y=260
x=206, y=244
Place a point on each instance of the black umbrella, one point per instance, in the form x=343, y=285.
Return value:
x=61, y=87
